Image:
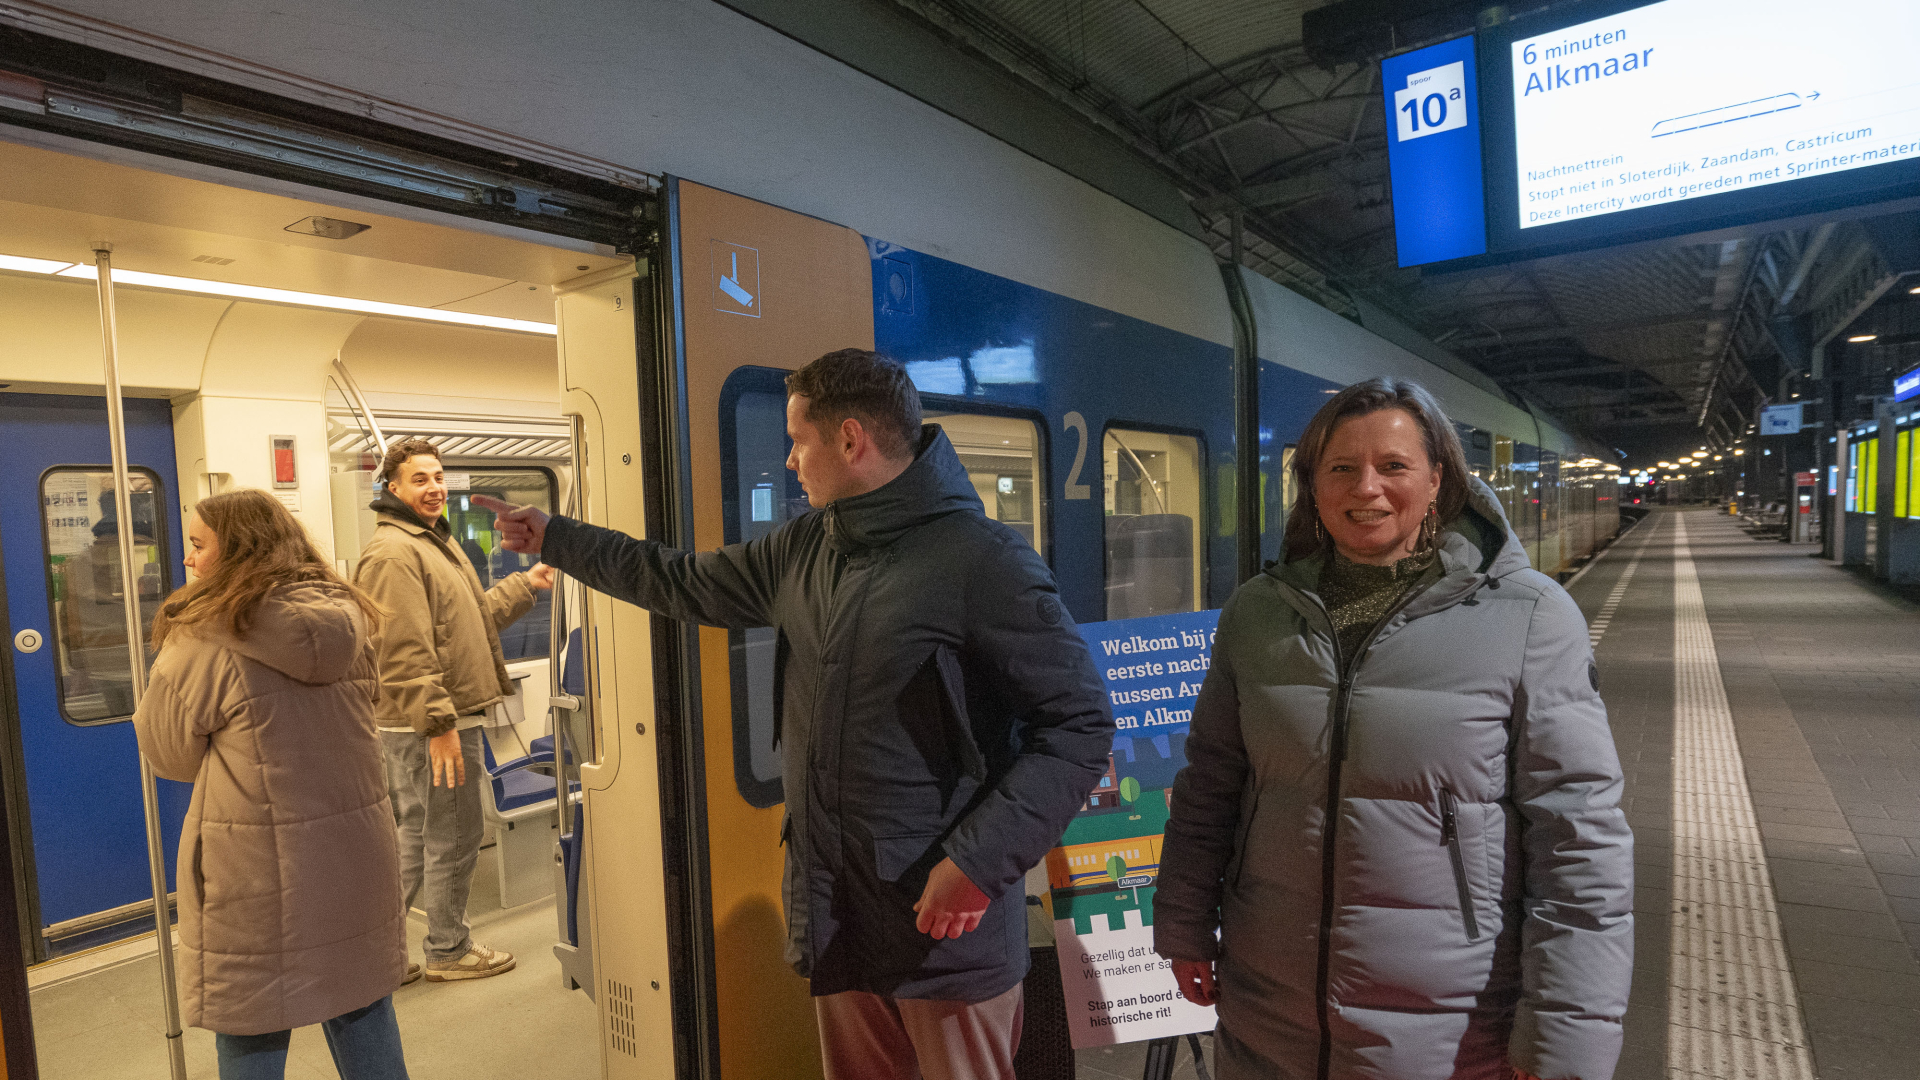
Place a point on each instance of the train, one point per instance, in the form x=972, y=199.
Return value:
x=607, y=339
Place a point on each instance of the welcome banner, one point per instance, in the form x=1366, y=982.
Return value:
x=1102, y=875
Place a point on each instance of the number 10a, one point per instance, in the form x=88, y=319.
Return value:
x=1433, y=101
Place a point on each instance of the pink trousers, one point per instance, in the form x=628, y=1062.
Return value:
x=868, y=1037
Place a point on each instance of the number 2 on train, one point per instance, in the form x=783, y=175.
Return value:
x=1073, y=421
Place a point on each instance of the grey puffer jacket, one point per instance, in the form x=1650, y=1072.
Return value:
x=1421, y=871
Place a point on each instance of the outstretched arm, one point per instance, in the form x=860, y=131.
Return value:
x=731, y=587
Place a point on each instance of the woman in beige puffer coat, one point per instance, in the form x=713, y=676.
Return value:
x=262, y=695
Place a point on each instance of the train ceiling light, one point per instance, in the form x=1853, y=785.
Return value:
x=261, y=294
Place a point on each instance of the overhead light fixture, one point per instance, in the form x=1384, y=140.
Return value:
x=264, y=295
x=1737, y=453
x=31, y=266
x=1857, y=338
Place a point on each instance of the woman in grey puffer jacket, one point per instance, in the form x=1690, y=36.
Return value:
x=1400, y=811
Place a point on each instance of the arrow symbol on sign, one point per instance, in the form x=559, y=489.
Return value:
x=731, y=285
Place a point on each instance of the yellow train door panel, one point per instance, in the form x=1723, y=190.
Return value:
x=765, y=287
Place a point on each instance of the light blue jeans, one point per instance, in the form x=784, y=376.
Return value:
x=365, y=1045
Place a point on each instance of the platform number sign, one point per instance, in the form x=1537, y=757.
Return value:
x=1439, y=193
x=1433, y=101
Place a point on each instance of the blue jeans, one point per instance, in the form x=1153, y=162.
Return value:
x=365, y=1045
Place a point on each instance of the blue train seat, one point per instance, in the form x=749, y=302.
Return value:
x=573, y=680
x=515, y=783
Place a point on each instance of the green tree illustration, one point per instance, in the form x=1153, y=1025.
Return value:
x=1130, y=791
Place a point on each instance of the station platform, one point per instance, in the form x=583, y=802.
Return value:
x=1766, y=704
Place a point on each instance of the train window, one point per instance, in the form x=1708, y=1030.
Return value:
x=1289, y=487
x=1552, y=552
x=1478, y=447
x=473, y=529
x=1502, y=479
x=80, y=527
x=1153, y=515
x=757, y=496
x=1910, y=455
x=1002, y=457
x=1903, y=449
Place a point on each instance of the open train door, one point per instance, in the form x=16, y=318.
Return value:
x=683, y=859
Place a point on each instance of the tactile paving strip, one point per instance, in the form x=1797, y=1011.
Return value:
x=1604, y=618
x=1733, y=1012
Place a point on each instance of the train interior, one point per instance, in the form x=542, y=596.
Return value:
x=266, y=340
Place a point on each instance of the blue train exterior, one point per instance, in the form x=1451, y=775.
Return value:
x=977, y=339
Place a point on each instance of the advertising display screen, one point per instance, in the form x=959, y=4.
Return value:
x=1612, y=122
x=1690, y=98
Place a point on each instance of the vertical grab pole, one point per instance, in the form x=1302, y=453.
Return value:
x=556, y=643
x=130, y=598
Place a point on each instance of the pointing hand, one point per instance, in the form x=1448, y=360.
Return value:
x=521, y=528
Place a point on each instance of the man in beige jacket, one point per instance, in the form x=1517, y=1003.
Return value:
x=440, y=668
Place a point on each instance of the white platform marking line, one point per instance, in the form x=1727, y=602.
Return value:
x=1732, y=1008
x=1604, y=618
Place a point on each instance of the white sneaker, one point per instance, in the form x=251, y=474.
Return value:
x=478, y=963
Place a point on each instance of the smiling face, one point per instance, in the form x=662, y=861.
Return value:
x=203, y=547
x=421, y=483
x=1374, y=484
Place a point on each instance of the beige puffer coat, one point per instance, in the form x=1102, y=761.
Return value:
x=289, y=876
x=440, y=656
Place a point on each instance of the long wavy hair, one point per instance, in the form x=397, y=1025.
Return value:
x=262, y=547
x=1371, y=396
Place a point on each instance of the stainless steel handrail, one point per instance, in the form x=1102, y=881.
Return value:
x=136, y=652
x=359, y=401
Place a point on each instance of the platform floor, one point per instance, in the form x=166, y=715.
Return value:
x=1821, y=675
x=107, y=1024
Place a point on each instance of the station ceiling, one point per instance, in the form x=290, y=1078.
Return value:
x=1661, y=345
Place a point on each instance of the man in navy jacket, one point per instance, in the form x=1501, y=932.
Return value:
x=940, y=718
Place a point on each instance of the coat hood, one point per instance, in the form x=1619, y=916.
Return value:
x=389, y=503
x=936, y=484
x=1480, y=540
x=311, y=631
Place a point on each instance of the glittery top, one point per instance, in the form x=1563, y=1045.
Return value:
x=1359, y=595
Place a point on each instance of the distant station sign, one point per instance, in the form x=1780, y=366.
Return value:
x=1780, y=419
x=1102, y=875
x=1906, y=386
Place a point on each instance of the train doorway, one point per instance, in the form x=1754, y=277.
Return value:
x=273, y=340
x=83, y=875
